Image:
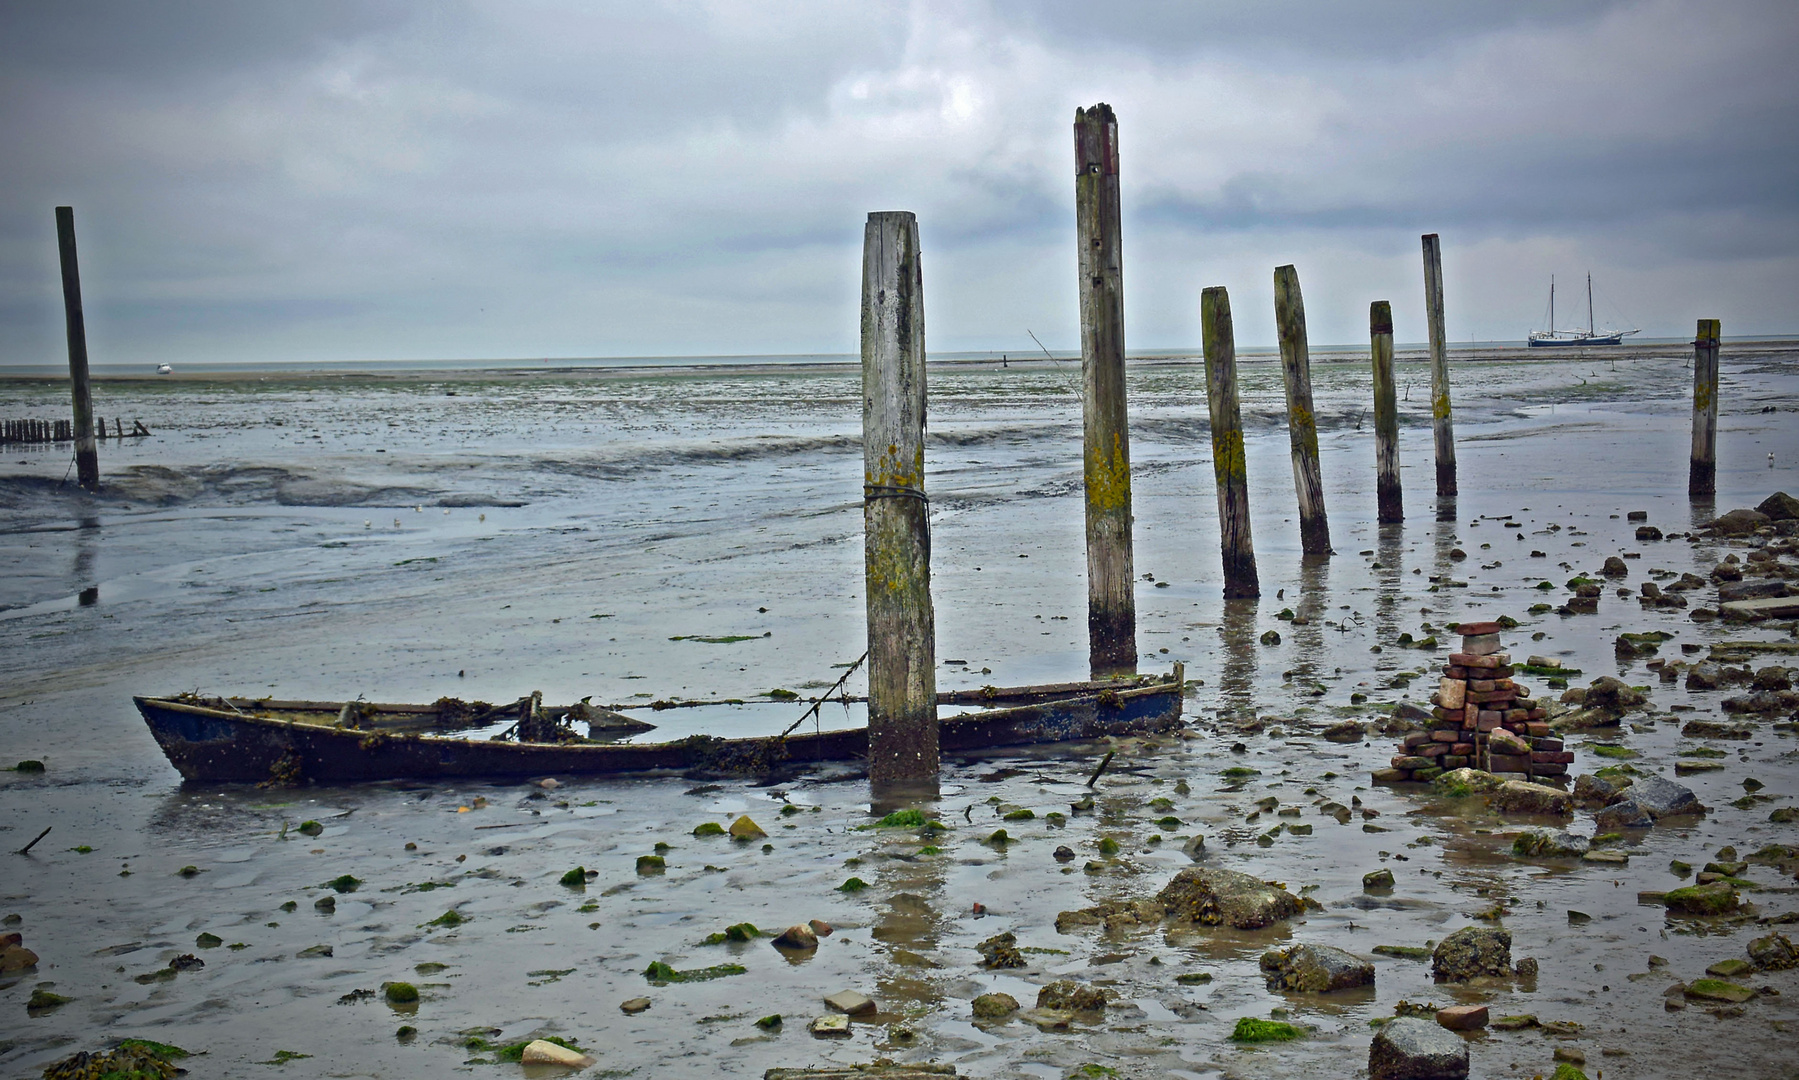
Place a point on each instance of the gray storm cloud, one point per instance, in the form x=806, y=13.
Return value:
x=383, y=180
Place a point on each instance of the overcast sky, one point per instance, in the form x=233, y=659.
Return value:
x=374, y=180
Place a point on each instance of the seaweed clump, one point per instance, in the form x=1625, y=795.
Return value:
x=133, y=1059
x=1250, y=1029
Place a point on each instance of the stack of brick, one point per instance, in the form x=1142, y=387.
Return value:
x=1481, y=718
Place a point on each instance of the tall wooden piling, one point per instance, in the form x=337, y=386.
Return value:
x=1702, y=471
x=1389, y=503
x=1441, y=428
x=902, y=633
x=87, y=457
x=1302, y=425
x=1229, y=469
x=1106, y=448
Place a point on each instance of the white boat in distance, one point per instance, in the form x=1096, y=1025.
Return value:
x=1553, y=338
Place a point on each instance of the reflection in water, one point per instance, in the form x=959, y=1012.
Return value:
x=1236, y=680
x=87, y=540
x=1389, y=577
x=886, y=796
x=1310, y=610
x=1446, y=508
x=911, y=924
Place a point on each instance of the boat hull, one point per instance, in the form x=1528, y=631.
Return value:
x=1574, y=343
x=223, y=743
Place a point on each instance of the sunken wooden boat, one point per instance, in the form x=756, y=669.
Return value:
x=288, y=742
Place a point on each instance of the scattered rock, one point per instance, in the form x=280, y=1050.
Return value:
x=745, y=829
x=994, y=1006
x=633, y=1006
x=834, y=1024
x=1063, y=853
x=1716, y=898
x=1463, y=1017
x=1472, y=952
x=1466, y=781
x=1315, y=969
x=1779, y=507
x=1001, y=951
x=1773, y=953
x=1547, y=844
x=1612, y=695
x=1346, y=732
x=800, y=937
x=1412, y=1049
x=1376, y=880
x=1737, y=523
x=1592, y=792
x=851, y=1002
x=1194, y=848
x=1718, y=990
x=1112, y=914
x=1211, y=897
x=1731, y=969
x=1623, y=814
x=1524, y=797
x=1066, y=995
x=1662, y=798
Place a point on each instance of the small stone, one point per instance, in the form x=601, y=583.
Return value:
x=1472, y=952
x=633, y=1006
x=1377, y=880
x=1731, y=969
x=1408, y=1048
x=820, y=927
x=994, y=1006
x=1001, y=951
x=851, y=1002
x=833, y=1024
x=1063, y=853
x=800, y=937
x=544, y=1052
x=745, y=829
x=1066, y=995
x=1463, y=1017
x=1315, y=969
x=1623, y=814
x=1526, y=968
x=1773, y=953
x=1573, y=1055
x=1194, y=848
x=1523, y=797
x=1718, y=990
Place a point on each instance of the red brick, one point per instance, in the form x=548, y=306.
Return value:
x=1461, y=749
x=1463, y=1017
x=1492, y=696
x=1491, y=660
x=1546, y=744
x=1416, y=738
x=1487, y=725
x=1432, y=749
x=1474, y=629
x=1470, y=713
x=1507, y=763
x=1517, y=716
x=1552, y=757
x=1539, y=714
x=1482, y=686
x=1455, y=671
x=1547, y=769
x=1441, y=735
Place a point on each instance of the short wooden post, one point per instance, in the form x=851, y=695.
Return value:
x=902, y=634
x=1228, y=467
x=1440, y=425
x=1389, y=504
x=87, y=457
x=1302, y=425
x=1702, y=472
x=1106, y=445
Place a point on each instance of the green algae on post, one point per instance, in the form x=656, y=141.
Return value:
x=1251, y=1030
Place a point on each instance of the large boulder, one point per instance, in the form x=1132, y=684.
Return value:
x=1773, y=953
x=1737, y=523
x=1409, y=1048
x=1069, y=996
x=1315, y=969
x=1212, y=897
x=1465, y=781
x=1780, y=507
x=1524, y=797
x=1758, y=589
x=1592, y=792
x=1662, y=798
x=1549, y=844
x=1471, y=952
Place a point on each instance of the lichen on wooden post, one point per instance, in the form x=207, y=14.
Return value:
x=1302, y=424
x=1106, y=448
x=87, y=457
x=1229, y=468
x=902, y=636
x=1702, y=471
x=1390, y=503
x=1442, y=430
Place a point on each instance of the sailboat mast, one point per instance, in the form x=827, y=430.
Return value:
x=1551, y=304
x=1589, y=305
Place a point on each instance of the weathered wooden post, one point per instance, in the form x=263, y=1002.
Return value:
x=1228, y=467
x=1702, y=472
x=1389, y=503
x=896, y=537
x=1440, y=425
x=1106, y=448
x=1302, y=425
x=87, y=458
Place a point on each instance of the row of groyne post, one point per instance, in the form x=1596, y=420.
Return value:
x=902, y=716
x=63, y=431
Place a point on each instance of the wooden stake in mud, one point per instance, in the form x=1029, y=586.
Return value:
x=902, y=629
x=1111, y=605
x=1439, y=366
x=1702, y=473
x=1228, y=466
x=1390, y=505
x=87, y=458
x=1302, y=425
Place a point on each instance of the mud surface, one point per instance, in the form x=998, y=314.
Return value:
x=559, y=533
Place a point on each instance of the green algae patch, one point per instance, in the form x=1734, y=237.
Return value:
x=1108, y=846
x=738, y=932
x=1251, y=1030
x=311, y=828
x=708, y=828
x=770, y=1022
x=576, y=878
x=1565, y=1071
x=282, y=1057
x=344, y=883
x=29, y=765
x=208, y=941
x=1611, y=750
x=161, y=1050
x=450, y=918
x=1714, y=899
x=854, y=884
x=651, y=864
x=661, y=974
x=1240, y=772
x=1020, y=815
x=44, y=999
x=401, y=993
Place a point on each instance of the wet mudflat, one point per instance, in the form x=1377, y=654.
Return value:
x=664, y=505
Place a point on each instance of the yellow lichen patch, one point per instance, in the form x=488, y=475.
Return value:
x=1227, y=455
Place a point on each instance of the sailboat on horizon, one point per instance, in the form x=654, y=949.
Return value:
x=1553, y=338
